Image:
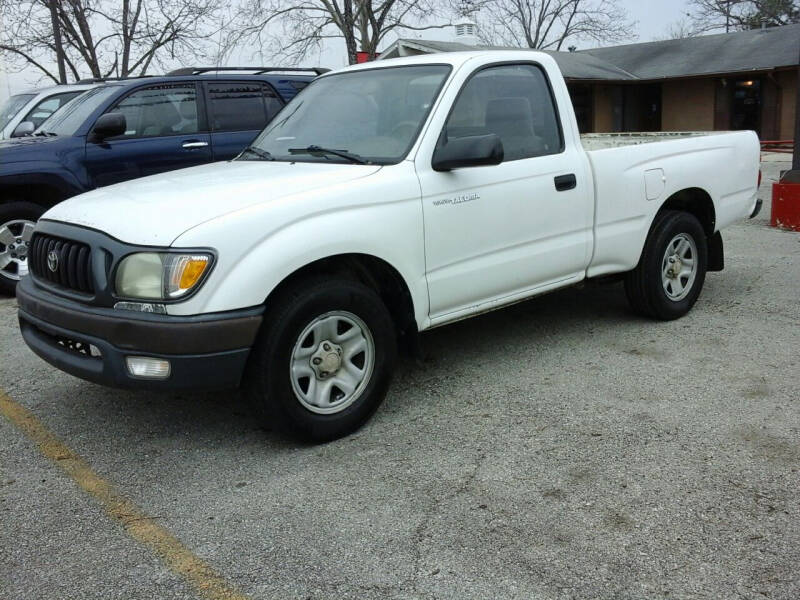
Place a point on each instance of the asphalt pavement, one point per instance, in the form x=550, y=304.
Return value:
x=560, y=448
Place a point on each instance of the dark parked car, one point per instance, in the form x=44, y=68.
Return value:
x=131, y=128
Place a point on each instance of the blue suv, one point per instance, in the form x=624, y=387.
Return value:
x=131, y=128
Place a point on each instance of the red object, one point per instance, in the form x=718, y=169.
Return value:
x=786, y=206
x=784, y=146
x=362, y=57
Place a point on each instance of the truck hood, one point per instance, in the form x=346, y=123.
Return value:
x=155, y=210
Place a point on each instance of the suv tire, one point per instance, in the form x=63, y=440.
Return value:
x=16, y=226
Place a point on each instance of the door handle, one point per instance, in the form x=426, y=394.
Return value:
x=565, y=182
x=194, y=144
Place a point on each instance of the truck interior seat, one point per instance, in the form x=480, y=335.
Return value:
x=512, y=120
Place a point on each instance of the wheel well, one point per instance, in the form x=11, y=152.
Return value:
x=697, y=202
x=43, y=195
x=370, y=271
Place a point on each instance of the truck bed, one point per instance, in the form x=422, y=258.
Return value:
x=633, y=177
x=602, y=141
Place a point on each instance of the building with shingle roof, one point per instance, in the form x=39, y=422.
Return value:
x=740, y=80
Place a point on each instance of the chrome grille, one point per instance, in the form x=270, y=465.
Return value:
x=64, y=262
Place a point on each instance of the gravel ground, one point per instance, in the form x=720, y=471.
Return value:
x=561, y=448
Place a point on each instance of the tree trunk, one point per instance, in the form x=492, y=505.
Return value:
x=62, y=69
x=349, y=34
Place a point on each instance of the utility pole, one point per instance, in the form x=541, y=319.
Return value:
x=727, y=16
x=796, y=155
x=62, y=70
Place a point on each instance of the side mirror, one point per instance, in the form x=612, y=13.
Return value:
x=109, y=125
x=469, y=151
x=23, y=129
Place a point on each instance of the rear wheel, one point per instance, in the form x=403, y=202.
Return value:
x=324, y=359
x=17, y=220
x=670, y=275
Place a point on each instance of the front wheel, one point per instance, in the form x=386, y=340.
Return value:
x=323, y=362
x=17, y=220
x=669, y=277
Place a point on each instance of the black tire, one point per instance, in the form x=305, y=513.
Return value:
x=268, y=381
x=645, y=287
x=12, y=212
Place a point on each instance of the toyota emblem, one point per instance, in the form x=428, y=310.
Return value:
x=52, y=260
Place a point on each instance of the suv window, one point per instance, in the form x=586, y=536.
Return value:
x=159, y=110
x=241, y=105
x=512, y=101
x=42, y=111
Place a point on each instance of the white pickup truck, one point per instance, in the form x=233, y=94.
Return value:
x=385, y=199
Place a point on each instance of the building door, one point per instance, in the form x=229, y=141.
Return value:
x=746, y=105
x=650, y=103
x=642, y=107
x=582, y=101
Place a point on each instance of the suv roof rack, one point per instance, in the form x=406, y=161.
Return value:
x=104, y=79
x=255, y=70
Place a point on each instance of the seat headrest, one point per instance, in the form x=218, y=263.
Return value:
x=188, y=109
x=162, y=114
x=510, y=117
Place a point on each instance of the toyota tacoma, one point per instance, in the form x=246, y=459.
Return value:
x=384, y=200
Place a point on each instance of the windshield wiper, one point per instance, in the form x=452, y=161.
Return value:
x=47, y=133
x=319, y=151
x=262, y=154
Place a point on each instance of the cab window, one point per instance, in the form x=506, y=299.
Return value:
x=161, y=110
x=512, y=101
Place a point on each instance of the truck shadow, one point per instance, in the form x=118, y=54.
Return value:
x=224, y=419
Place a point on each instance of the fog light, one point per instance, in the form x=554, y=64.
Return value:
x=147, y=367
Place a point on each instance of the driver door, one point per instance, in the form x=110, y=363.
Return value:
x=497, y=233
x=164, y=132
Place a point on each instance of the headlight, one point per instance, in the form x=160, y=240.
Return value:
x=160, y=275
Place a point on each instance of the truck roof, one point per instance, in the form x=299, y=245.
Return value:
x=456, y=59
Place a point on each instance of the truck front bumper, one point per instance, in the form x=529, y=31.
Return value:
x=93, y=343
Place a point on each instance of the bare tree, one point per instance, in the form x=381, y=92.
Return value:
x=293, y=28
x=733, y=15
x=680, y=30
x=100, y=38
x=547, y=24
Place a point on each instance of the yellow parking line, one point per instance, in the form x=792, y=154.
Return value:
x=177, y=557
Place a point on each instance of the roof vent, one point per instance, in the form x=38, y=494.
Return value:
x=466, y=33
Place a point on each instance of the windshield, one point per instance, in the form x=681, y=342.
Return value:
x=371, y=116
x=67, y=120
x=12, y=106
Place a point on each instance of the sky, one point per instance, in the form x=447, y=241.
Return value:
x=654, y=18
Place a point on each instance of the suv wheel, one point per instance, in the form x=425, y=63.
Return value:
x=324, y=359
x=17, y=220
